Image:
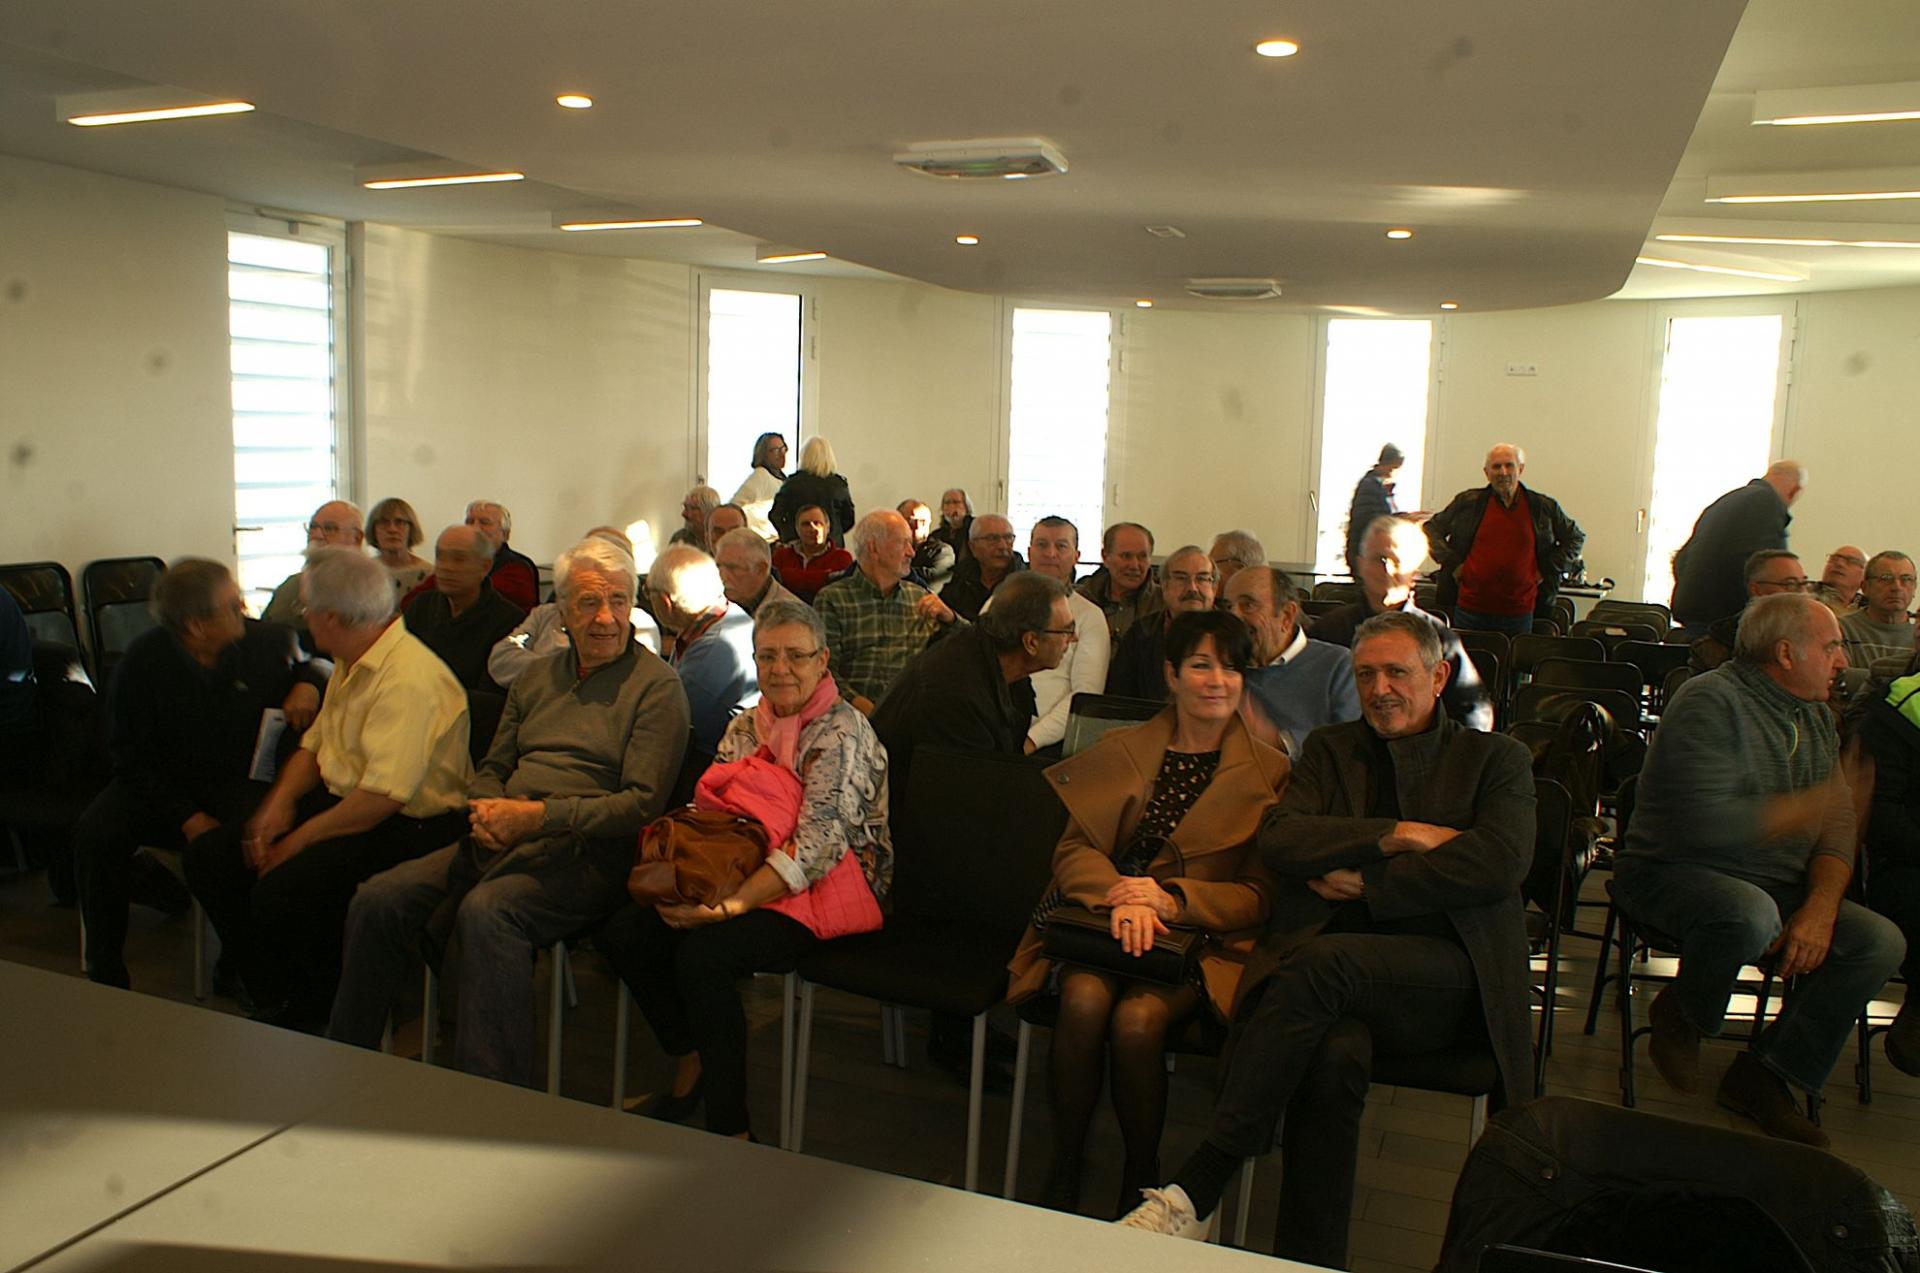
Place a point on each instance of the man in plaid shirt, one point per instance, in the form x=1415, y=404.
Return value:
x=876, y=621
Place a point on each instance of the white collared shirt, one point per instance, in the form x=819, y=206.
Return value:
x=1292, y=651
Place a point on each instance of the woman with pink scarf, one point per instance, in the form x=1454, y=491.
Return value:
x=810, y=768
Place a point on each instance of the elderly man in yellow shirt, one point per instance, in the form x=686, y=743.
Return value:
x=379, y=778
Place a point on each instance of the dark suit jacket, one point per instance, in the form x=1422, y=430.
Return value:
x=1709, y=571
x=953, y=694
x=1481, y=784
x=1138, y=669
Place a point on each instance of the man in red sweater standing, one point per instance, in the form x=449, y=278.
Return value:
x=1503, y=549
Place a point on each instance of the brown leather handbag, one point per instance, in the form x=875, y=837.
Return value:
x=695, y=856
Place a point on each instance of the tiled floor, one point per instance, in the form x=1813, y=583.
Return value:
x=912, y=1121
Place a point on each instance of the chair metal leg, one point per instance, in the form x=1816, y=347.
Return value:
x=1010, y=1177
x=888, y=1049
x=787, y=986
x=556, y=997
x=1600, y=977
x=1863, y=1069
x=386, y=1036
x=622, y=1020
x=801, y=1057
x=1476, y=1121
x=1625, y=945
x=899, y=1036
x=429, y=1016
x=199, y=951
x=976, y=1081
x=566, y=967
x=1243, y=1210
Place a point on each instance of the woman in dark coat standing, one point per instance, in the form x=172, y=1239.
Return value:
x=816, y=482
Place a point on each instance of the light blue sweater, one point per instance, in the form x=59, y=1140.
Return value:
x=1313, y=688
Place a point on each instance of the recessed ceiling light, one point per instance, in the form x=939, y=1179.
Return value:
x=103, y=118
x=574, y=101
x=1449, y=304
x=1792, y=243
x=659, y=223
x=967, y=240
x=1276, y=48
x=444, y=179
x=1853, y=104
x=1665, y=264
x=1143, y=303
x=1399, y=232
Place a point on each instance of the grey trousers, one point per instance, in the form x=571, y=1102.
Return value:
x=505, y=917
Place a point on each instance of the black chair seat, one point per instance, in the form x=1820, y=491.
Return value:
x=1465, y=1070
x=943, y=966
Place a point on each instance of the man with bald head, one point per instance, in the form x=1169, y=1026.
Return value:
x=1503, y=549
x=876, y=620
x=464, y=616
x=1707, y=571
x=1187, y=584
x=335, y=524
x=990, y=558
x=1839, y=586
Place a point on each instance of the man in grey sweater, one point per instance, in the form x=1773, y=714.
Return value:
x=587, y=752
x=1741, y=847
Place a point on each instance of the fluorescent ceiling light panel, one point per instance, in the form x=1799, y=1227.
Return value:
x=1785, y=242
x=1851, y=186
x=142, y=104
x=1664, y=263
x=429, y=172
x=774, y=254
x=577, y=221
x=1855, y=104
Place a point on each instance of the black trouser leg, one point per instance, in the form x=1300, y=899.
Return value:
x=1320, y=1148
x=109, y=833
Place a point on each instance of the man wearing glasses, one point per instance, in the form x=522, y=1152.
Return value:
x=990, y=559
x=1839, y=586
x=1768, y=573
x=1187, y=583
x=1884, y=629
x=335, y=524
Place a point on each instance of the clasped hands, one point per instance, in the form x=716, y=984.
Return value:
x=1140, y=909
x=1347, y=885
x=498, y=824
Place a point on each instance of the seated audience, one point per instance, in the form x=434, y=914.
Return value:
x=695, y=507
x=544, y=630
x=1192, y=777
x=1882, y=629
x=1504, y=550
x=1742, y=845
x=1891, y=739
x=1138, y=669
x=463, y=618
x=815, y=484
x=184, y=712
x=335, y=524
x=1400, y=844
x=711, y=641
x=746, y=571
x=933, y=558
x=1294, y=683
x=876, y=621
x=379, y=778
x=812, y=560
x=586, y=755
x=394, y=529
x=722, y=519
x=1769, y=572
x=1053, y=548
x=683, y=963
x=1125, y=587
x=1233, y=551
x=956, y=522
x=1372, y=497
x=512, y=575
x=990, y=558
x=1706, y=570
x=755, y=495
x=1839, y=586
x=1392, y=550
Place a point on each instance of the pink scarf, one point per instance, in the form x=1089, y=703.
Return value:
x=780, y=735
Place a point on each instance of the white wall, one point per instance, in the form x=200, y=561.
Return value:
x=563, y=385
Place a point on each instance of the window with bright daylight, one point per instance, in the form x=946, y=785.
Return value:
x=285, y=304
x=753, y=380
x=1057, y=421
x=1719, y=398
x=1378, y=374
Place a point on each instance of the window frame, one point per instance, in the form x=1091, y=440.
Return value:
x=805, y=287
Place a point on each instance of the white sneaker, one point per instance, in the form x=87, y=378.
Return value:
x=1167, y=1211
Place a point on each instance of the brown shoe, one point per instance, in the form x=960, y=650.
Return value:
x=1674, y=1045
x=1903, y=1040
x=1751, y=1089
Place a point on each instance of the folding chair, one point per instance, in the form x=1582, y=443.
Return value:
x=116, y=591
x=1610, y=633
x=1562, y=612
x=1091, y=716
x=1342, y=593
x=1655, y=660
x=44, y=591
x=1529, y=649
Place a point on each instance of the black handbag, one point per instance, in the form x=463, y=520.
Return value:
x=1074, y=934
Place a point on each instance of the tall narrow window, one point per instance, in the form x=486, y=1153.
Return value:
x=753, y=367
x=1378, y=372
x=1719, y=397
x=1057, y=421
x=284, y=310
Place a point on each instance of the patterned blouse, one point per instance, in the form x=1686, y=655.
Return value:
x=1183, y=776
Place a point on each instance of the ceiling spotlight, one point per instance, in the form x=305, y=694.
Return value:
x=1276, y=48
x=1399, y=232
x=773, y=254
x=1143, y=303
x=577, y=221
x=574, y=101
x=967, y=240
x=427, y=172
x=1449, y=304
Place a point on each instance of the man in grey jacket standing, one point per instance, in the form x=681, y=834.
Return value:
x=588, y=748
x=1401, y=842
x=1741, y=847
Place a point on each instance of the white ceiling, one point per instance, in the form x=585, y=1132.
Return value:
x=1530, y=147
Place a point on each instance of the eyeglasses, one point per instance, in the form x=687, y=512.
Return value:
x=330, y=528
x=1071, y=634
x=1785, y=585
x=1849, y=560
x=1905, y=581
x=779, y=658
x=1185, y=580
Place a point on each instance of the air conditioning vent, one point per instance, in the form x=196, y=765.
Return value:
x=1234, y=289
x=1007, y=158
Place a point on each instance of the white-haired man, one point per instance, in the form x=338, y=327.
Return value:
x=876, y=620
x=335, y=524
x=710, y=641
x=586, y=755
x=1232, y=552
x=380, y=777
x=1742, y=846
x=990, y=558
x=1503, y=549
x=746, y=570
x=513, y=575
